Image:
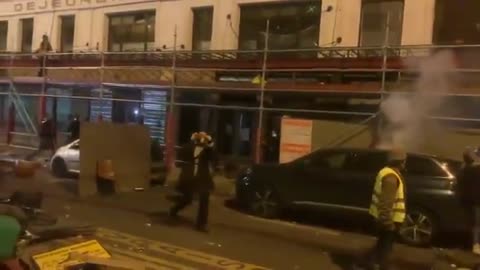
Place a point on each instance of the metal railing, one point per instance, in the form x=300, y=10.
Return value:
x=379, y=61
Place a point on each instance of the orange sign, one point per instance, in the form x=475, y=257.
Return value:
x=296, y=139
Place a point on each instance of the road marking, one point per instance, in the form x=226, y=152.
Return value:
x=155, y=247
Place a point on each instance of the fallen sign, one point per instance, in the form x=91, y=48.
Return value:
x=62, y=257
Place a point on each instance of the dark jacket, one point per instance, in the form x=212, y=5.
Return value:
x=74, y=129
x=468, y=185
x=202, y=181
x=47, y=129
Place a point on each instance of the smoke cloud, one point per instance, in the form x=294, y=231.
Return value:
x=405, y=113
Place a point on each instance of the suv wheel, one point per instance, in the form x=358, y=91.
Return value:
x=418, y=228
x=264, y=203
x=59, y=168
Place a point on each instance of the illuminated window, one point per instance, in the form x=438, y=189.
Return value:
x=376, y=15
x=292, y=25
x=3, y=35
x=132, y=32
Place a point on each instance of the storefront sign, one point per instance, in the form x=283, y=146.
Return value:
x=42, y=5
x=296, y=139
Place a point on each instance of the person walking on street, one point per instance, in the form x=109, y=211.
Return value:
x=388, y=208
x=196, y=177
x=74, y=129
x=468, y=190
x=46, y=136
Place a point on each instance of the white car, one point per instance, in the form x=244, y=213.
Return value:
x=66, y=159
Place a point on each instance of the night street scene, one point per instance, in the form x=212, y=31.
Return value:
x=240, y=134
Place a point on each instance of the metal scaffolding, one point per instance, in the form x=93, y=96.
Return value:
x=379, y=62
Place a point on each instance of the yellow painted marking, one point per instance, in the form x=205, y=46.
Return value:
x=176, y=251
x=54, y=259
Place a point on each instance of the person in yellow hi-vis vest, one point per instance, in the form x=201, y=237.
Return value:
x=388, y=207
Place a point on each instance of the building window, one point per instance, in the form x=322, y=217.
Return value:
x=3, y=35
x=132, y=32
x=67, y=32
x=27, y=35
x=457, y=22
x=376, y=15
x=202, y=28
x=292, y=25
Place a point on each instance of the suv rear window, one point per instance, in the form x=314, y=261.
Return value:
x=423, y=166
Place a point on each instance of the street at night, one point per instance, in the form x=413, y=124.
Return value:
x=135, y=225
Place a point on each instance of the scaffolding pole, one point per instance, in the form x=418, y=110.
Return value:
x=171, y=141
x=258, y=144
x=384, y=74
x=102, y=79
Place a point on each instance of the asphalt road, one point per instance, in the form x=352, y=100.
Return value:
x=134, y=225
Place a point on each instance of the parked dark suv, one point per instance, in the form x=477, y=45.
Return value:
x=342, y=180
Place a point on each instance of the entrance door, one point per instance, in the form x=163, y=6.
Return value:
x=67, y=33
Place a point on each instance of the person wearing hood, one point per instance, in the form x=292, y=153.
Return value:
x=468, y=192
x=198, y=161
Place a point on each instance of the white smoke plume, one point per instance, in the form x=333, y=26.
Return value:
x=405, y=113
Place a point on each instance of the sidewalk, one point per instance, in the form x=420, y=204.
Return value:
x=337, y=243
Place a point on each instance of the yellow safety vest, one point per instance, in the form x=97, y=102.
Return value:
x=399, y=210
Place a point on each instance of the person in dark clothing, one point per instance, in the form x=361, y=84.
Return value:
x=468, y=192
x=46, y=136
x=45, y=47
x=196, y=177
x=74, y=129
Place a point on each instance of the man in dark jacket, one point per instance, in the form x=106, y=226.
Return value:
x=196, y=176
x=74, y=129
x=468, y=190
x=46, y=135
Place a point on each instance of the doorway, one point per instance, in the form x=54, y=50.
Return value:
x=67, y=33
x=235, y=133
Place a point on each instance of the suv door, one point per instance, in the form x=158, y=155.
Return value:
x=358, y=177
x=317, y=178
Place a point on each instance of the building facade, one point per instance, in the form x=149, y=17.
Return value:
x=128, y=25
x=332, y=64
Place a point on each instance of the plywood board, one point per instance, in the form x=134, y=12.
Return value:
x=127, y=146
